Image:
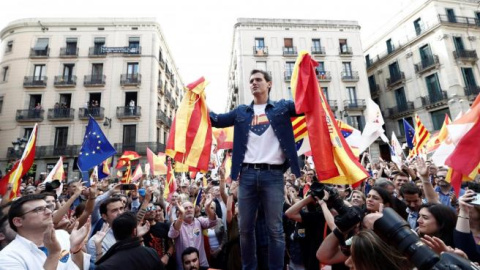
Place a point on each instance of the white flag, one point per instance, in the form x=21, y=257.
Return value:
x=373, y=127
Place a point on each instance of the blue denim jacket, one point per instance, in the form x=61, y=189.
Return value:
x=278, y=113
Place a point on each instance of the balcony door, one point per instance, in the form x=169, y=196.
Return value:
x=259, y=43
x=129, y=137
x=71, y=46
x=352, y=96
x=347, y=68
x=433, y=87
x=61, y=136
x=394, y=71
x=38, y=72
x=401, y=98
x=289, y=69
x=458, y=42
x=426, y=55
x=68, y=72
x=132, y=71
x=34, y=100
x=451, y=15
x=469, y=78
x=316, y=45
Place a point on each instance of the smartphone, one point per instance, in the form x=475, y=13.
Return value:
x=128, y=187
x=476, y=199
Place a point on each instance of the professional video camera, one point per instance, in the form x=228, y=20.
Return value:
x=395, y=231
x=347, y=217
x=51, y=186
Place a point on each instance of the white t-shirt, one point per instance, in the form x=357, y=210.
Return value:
x=263, y=145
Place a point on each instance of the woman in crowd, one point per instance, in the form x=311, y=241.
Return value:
x=357, y=198
x=437, y=220
x=377, y=196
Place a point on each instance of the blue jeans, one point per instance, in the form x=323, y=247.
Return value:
x=263, y=187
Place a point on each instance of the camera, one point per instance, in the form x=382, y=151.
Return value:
x=395, y=231
x=347, y=217
x=51, y=186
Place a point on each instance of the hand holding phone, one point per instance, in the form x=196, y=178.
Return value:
x=128, y=187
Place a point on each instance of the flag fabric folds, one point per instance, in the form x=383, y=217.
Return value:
x=190, y=138
x=420, y=139
x=137, y=173
x=127, y=174
x=95, y=148
x=437, y=138
x=57, y=173
x=105, y=167
x=373, y=127
x=333, y=158
x=157, y=163
x=20, y=168
x=170, y=183
x=126, y=157
x=409, y=133
x=224, y=137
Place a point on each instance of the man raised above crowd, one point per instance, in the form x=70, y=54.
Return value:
x=263, y=149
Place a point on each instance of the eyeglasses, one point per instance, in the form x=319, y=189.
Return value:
x=151, y=208
x=40, y=209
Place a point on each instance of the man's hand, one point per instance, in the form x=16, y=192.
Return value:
x=422, y=168
x=78, y=188
x=143, y=229
x=50, y=241
x=181, y=211
x=100, y=235
x=78, y=235
x=221, y=173
x=148, y=194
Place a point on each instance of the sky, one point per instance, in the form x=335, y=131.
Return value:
x=199, y=33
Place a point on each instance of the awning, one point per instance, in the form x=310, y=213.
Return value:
x=42, y=44
x=134, y=39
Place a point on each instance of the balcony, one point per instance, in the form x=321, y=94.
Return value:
x=133, y=51
x=472, y=91
x=333, y=104
x=96, y=52
x=436, y=99
x=288, y=76
x=290, y=51
x=68, y=52
x=467, y=21
x=353, y=105
x=465, y=55
x=427, y=64
x=318, y=50
x=374, y=90
x=260, y=51
x=168, y=95
x=163, y=119
x=30, y=115
x=65, y=81
x=140, y=147
x=94, y=80
x=51, y=151
x=98, y=113
x=345, y=51
x=351, y=76
x=130, y=79
x=39, y=53
x=396, y=79
x=162, y=63
x=402, y=109
x=324, y=76
x=61, y=114
x=160, y=86
x=129, y=112
x=35, y=81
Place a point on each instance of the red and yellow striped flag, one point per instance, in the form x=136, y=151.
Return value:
x=20, y=168
x=170, y=183
x=190, y=139
x=157, y=162
x=126, y=157
x=333, y=158
x=224, y=137
x=128, y=173
x=420, y=139
x=437, y=138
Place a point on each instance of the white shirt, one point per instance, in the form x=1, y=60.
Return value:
x=22, y=253
x=107, y=243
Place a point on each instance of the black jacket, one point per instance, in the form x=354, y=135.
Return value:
x=130, y=254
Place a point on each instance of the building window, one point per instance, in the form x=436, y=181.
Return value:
x=400, y=125
x=321, y=67
x=418, y=26
x=27, y=132
x=352, y=96
x=343, y=46
x=38, y=72
x=259, y=43
x=433, y=87
x=71, y=46
x=98, y=43
x=394, y=72
x=41, y=45
x=134, y=44
x=4, y=74
x=97, y=70
x=477, y=17
x=368, y=61
x=401, y=99
x=160, y=55
x=316, y=46
x=372, y=83
x=61, y=137
x=469, y=79
x=132, y=69
x=347, y=68
x=458, y=42
x=451, y=15
x=426, y=56
x=9, y=46
x=390, y=47
x=1, y=104
x=356, y=121
x=129, y=136
x=325, y=92
x=438, y=117
x=289, y=69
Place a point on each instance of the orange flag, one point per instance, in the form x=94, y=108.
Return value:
x=190, y=139
x=333, y=158
x=439, y=137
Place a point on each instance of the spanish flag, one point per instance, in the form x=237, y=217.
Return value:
x=157, y=162
x=190, y=139
x=170, y=183
x=137, y=173
x=126, y=157
x=20, y=168
x=128, y=173
x=333, y=158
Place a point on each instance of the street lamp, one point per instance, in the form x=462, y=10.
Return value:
x=19, y=146
x=107, y=122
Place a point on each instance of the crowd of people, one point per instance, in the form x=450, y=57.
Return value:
x=271, y=212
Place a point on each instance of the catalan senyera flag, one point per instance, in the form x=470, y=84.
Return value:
x=420, y=139
x=190, y=139
x=180, y=168
x=128, y=173
x=126, y=157
x=437, y=138
x=300, y=134
x=157, y=162
x=105, y=166
x=137, y=173
x=224, y=137
x=333, y=158
x=170, y=183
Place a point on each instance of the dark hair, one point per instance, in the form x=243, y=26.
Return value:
x=386, y=198
x=446, y=220
x=370, y=252
x=124, y=225
x=16, y=209
x=266, y=76
x=190, y=250
x=103, y=206
x=3, y=222
x=49, y=193
x=411, y=189
x=79, y=210
x=400, y=173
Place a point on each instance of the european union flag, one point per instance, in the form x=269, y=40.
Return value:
x=95, y=148
x=409, y=133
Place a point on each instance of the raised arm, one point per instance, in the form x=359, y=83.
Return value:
x=223, y=120
x=422, y=169
x=293, y=212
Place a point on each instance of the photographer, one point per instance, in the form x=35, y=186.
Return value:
x=315, y=223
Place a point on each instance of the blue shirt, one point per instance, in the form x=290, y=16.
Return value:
x=445, y=198
x=278, y=113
